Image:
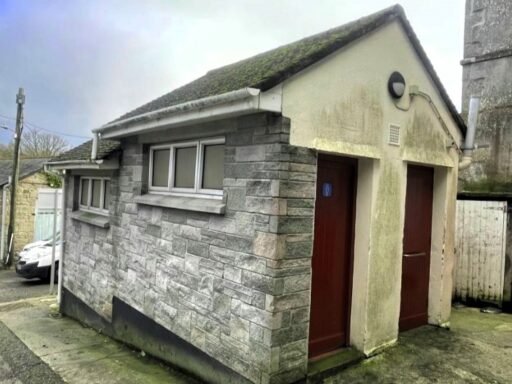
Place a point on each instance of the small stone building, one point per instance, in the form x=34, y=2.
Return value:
x=274, y=211
x=31, y=179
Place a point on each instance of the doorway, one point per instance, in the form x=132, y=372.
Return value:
x=416, y=247
x=332, y=254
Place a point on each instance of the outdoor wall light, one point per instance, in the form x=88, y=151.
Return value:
x=396, y=85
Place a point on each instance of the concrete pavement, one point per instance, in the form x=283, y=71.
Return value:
x=18, y=365
x=79, y=354
x=477, y=349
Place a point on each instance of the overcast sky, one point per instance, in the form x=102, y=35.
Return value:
x=85, y=62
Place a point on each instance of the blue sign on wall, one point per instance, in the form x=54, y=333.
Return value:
x=327, y=190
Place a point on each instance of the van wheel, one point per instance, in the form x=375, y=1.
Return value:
x=47, y=278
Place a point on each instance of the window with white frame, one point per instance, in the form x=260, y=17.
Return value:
x=94, y=194
x=188, y=167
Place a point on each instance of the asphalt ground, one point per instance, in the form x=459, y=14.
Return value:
x=13, y=287
x=19, y=365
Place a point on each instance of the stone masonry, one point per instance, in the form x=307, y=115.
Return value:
x=487, y=65
x=26, y=203
x=236, y=286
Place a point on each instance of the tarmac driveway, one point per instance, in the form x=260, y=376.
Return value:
x=13, y=287
x=477, y=349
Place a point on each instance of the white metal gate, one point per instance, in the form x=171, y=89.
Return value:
x=481, y=243
x=43, y=223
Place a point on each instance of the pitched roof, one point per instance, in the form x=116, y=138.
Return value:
x=270, y=68
x=83, y=151
x=27, y=167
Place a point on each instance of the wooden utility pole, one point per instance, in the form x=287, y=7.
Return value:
x=20, y=100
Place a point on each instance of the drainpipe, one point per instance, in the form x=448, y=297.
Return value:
x=94, y=151
x=2, y=230
x=54, y=241
x=62, y=228
x=469, y=142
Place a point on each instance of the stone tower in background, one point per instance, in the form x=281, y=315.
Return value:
x=487, y=72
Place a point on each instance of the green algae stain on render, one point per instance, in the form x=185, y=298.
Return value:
x=385, y=249
x=357, y=119
x=351, y=126
x=424, y=140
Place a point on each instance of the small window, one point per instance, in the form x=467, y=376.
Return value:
x=94, y=194
x=161, y=167
x=213, y=166
x=84, y=190
x=193, y=167
x=106, y=194
x=185, y=167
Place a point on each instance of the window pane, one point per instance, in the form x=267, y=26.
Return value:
x=213, y=166
x=161, y=167
x=185, y=167
x=96, y=193
x=106, y=199
x=85, y=192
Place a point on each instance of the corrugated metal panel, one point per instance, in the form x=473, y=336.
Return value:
x=481, y=242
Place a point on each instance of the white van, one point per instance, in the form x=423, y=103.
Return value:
x=34, y=261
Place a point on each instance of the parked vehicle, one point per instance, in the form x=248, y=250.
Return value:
x=34, y=261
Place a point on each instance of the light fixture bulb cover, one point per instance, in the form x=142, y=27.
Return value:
x=396, y=85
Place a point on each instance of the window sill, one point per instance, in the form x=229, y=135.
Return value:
x=91, y=218
x=188, y=203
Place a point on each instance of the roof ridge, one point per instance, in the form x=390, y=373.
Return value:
x=270, y=68
x=260, y=73
x=391, y=11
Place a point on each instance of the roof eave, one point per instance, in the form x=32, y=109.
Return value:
x=236, y=103
x=103, y=164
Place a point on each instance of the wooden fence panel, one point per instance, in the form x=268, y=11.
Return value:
x=481, y=242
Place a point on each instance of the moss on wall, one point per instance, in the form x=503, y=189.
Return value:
x=386, y=247
x=488, y=184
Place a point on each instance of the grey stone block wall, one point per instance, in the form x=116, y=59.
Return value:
x=237, y=285
x=488, y=27
x=487, y=66
x=90, y=269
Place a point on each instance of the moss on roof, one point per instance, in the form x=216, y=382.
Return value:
x=83, y=151
x=270, y=68
x=27, y=167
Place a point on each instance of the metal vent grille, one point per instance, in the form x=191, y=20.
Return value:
x=394, y=134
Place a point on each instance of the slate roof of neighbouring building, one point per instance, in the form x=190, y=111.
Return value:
x=27, y=167
x=83, y=151
x=270, y=68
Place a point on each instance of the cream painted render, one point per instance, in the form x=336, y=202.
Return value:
x=341, y=106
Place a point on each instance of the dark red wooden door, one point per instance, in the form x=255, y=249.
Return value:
x=332, y=254
x=416, y=247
